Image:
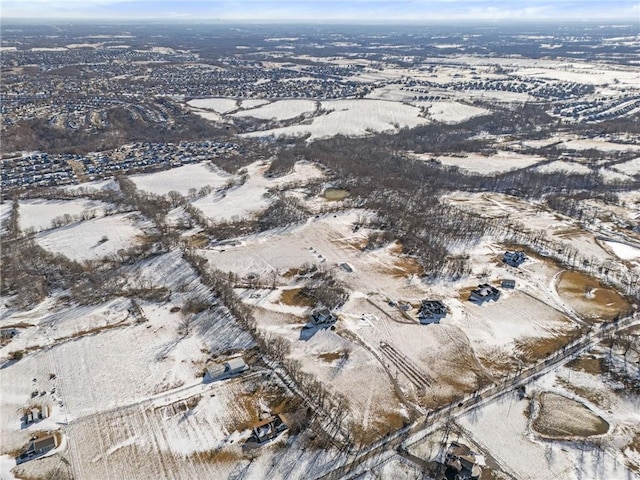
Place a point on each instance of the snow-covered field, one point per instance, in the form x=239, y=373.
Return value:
x=564, y=166
x=497, y=332
x=38, y=214
x=280, y=110
x=598, y=144
x=252, y=196
x=92, y=239
x=182, y=179
x=454, y=112
x=624, y=251
x=632, y=167
x=218, y=105
x=502, y=161
x=114, y=378
x=351, y=117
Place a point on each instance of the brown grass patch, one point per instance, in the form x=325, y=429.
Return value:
x=198, y=240
x=330, y=356
x=589, y=297
x=396, y=247
x=562, y=417
x=220, y=455
x=530, y=350
x=292, y=272
x=357, y=243
x=634, y=446
x=588, y=364
x=384, y=422
x=274, y=398
x=335, y=194
x=591, y=395
x=404, y=266
x=295, y=298
x=464, y=293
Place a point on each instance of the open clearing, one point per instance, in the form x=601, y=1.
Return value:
x=252, y=196
x=182, y=179
x=280, y=110
x=92, y=239
x=350, y=117
x=590, y=298
x=487, y=164
x=38, y=214
x=561, y=417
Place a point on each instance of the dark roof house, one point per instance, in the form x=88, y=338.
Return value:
x=484, y=293
x=514, y=259
x=38, y=447
x=268, y=429
x=322, y=318
x=461, y=463
x=431, y=311
x=508, y=283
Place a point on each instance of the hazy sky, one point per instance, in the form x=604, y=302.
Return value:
x=331, y=10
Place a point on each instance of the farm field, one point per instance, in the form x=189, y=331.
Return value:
x=93, y=239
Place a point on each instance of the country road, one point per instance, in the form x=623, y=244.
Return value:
x=431, y=422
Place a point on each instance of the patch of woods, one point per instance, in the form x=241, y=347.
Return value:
x=407, y=193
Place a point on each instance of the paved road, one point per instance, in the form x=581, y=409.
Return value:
x=426, y=425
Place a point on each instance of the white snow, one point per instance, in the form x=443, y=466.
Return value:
x=280, y=110
x=502, y=161
x=352, y=118
x=38, y=214
x=454, y=112
x=251, y=197
x=181, y=179
x=218, y=105
x=624, y=251
x=564, y=166
x=598, y=144
x=632, y=167
x=83, y=241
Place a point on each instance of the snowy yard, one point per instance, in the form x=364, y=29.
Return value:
x=92, y=239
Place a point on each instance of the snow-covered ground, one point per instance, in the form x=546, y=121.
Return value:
x=504, y=429
x=351, y=117
x=280, y=110
x=38, y=214
x=632, y=167
x=182, y=179
x=564, y=166
x=598, y=144
x=454, y=112
x=92, y=239
x=252, y=196
x=218, y=105
x=502, y=161
x=624, y=251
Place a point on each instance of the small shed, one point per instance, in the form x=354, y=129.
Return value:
x=218, y=371
x=38, y=447
x=508, y=283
